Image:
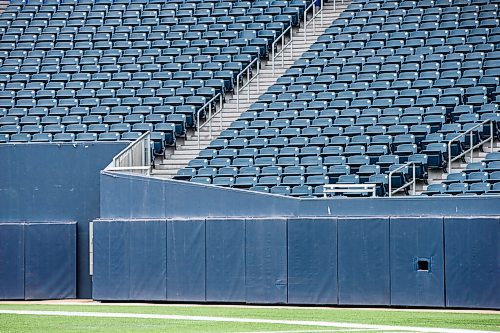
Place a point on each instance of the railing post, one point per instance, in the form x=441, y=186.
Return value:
x=210, y=119
x=247, y=83
x=313, y=17
x=321, y=11
x=198, y=126
x=390, y=184
x=258, y=76
x=272, y=55
x=471, y=146
x=282, y=51
x=291, y=43
x=414, y=181
x=238, y=94
x=449, y=155
x=220, y=111
x=491, y=135
x=148, y=155
x=130, y=158
x=305, y=25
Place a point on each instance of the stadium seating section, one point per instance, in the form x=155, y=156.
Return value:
x=106, y=70
x=387, y=83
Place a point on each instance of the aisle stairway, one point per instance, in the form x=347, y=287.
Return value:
x=189, y=149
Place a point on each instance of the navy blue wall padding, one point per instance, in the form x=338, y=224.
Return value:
x=363, y=261
x=312, y=261
x=413, y=239
x=186, y=260
x=12, y=261
x=111, y=279
x=50, y=260
x=472, y=253
x=132, y=196
x=225, y=257
x=148, y=260
x=266, y=260
x=65, y=187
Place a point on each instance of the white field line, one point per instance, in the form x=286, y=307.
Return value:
x=239, y=320
x=314, y=331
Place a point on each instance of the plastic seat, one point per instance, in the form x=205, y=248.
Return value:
x=437, y=155
x=456, y=188
x=435, y=189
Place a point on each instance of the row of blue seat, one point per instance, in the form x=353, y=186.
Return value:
x=69, y=137
x=289, y=181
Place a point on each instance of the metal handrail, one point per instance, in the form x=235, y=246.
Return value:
x=283, y=46
x=210, y=116
x=412, y=183
x=349, y=188
x=313, y=17
x=248, y=71
x=135, y=157
x=472, y=146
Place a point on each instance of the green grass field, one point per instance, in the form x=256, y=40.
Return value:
x=85, y=318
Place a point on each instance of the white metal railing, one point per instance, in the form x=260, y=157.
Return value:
x=472, y=147
x=411, y=183
x=136, y=157
x=284, y=45
x=315, y=12
x=349, y=188
x=248, y=72
x=211, y=115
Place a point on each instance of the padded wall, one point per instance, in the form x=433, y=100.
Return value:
x=225, y=260
x=12, y=261
x=125, y=196
x=312, y=261
x=148, y=260
x=111, y=279
x=186, y=260
x=130, y=260
x=417, y=242
x=64, y=187
x=472, y=262
x=358, y=261
x=363, y=261
x=266, y=261
x=50, y=260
